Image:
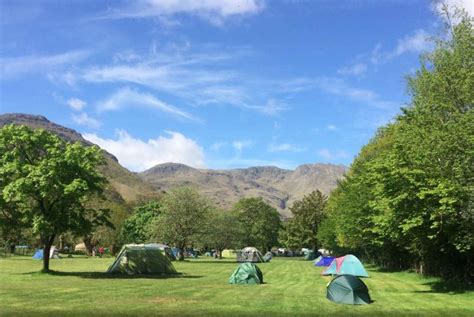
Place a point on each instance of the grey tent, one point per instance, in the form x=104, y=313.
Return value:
x=165, y=249
x=246, y=273
x=348, y=289
x=249, y=254
x=141, y=259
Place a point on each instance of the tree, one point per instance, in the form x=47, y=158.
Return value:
x=48, y=182
x=183, y=217
x=302, y=229
x=260, y=222
x=223, y=231
x=135, y=228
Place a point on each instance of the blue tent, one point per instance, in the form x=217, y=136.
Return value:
x=38, y=254
x=325, y=261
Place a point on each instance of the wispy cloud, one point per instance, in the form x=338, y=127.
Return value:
x=284, y=147
x=11, y=67
x=451, y=6
x=139, y=155
x=331, y=127
x=239, y=145
x=339, y=87
x=127, y=97
x=356, y=69
x=331, y=155
x=76, y=104
x=85, y=120
x=214, y=11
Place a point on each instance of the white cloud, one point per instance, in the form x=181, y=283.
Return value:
x=11, y=67
x=356, y=69
x=284, y=147
x=332, y=127
x=76, y=104
x=339, y=87
x=330, y=155
x=127, y=97
x=415, y=43
x=84, y=119
x=240, y=145
x=214, y=11
x=217, y=146
x=451, y=6
x=139, y=155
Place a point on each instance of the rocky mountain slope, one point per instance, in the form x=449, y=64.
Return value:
x=277, y=186
x=123, y=184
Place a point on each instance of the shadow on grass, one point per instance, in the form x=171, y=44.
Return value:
x=447, y=287
x=104, y=275
x=209, y=261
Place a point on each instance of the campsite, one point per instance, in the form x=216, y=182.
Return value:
x=237, y=158
x=291, y=287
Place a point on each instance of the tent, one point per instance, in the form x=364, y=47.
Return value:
x=268, y=257
x=249, y=254
x=53, y=253
x=81, y=247
x=227, y=253
x=141, y=259
x=246, y=273
x=164, y=249
x=348, y=289
x=348, y=264
x=324, y=261
x=310, y=255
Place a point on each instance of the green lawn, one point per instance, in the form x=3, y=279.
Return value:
x=292, y=287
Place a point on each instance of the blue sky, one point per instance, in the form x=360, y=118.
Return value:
x=215, y=84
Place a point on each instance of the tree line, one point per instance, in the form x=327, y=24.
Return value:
x=407, y=200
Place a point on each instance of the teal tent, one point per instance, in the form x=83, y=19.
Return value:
x=348, y=264
x=246, y=273
x=348, y=289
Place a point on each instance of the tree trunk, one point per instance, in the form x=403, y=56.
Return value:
x=48, y=242
x=181, y=252
x=88, y=243
x=220, y=254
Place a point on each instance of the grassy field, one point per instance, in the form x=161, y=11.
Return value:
x=292, y=287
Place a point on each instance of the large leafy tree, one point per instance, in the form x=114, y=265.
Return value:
x=183, y=217
x=411, y=189
x=47, y=182
x=135, y=228
x=308, y=213
x=224, y=230
x=260, y=222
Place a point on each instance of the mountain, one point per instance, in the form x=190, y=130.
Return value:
x=279, y=187
x=123, y=184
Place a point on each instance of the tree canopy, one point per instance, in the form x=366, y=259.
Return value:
x=407, y=199
x=47, y=182
x=260, y=223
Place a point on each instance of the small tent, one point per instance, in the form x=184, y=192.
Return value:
x=310, y=255
x=141, y=259
x=324, y=261
x=268, y=257
x=81, y=247
x=249, y=254
x=53, y=253
x=348, y=289
x=348, y=264
x=227, y=253
x=246, y=273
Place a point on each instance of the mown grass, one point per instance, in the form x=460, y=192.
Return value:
x=292, y=288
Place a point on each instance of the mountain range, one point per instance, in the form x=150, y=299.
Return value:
x=279, y=187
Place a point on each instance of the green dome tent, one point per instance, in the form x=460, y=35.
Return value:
x=348, y=264
x=141, y=259
x=348, y=289
x=246, y=273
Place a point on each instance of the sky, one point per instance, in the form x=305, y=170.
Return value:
x=216, y=83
